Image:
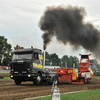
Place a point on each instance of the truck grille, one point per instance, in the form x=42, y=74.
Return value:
x=20, y=66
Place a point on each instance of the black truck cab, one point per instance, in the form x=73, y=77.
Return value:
x=27, y=65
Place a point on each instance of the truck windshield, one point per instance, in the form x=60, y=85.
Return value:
x=22, y=56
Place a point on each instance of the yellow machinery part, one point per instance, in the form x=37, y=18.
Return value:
x=74, y=76
x=36, y=65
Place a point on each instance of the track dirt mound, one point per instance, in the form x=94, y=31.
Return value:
x=10, y=91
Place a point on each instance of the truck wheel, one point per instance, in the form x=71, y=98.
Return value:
x=50, y=83
x=55, y=80
x=38, y=79
x=85, y=81
x=88, y=81
x=17, y=82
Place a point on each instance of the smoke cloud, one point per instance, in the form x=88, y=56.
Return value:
x=67, y=24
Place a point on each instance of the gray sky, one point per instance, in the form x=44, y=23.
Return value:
x=19, y=23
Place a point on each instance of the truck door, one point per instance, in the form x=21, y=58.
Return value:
x=37, y=64
x=36, y=58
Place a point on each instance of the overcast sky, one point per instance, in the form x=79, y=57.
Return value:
x=19, y=23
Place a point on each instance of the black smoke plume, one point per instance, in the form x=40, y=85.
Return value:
x=68, y=26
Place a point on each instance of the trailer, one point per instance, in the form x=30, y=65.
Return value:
x=75, y=76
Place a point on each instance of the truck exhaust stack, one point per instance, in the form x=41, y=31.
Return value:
x=44, y=59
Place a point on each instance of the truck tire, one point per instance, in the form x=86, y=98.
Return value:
x=53, y=80
x=38, y=79
x=17, y=82
x=50, y=83
x=85, y=81
x=88, y=81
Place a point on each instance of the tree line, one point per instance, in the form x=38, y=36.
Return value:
x=6, y=51
x=50, y=59
x=65, y=61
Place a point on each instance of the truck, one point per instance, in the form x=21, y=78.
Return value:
x=27, y=65
x=75, y=76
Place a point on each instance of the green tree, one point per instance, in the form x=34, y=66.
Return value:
x=47, y=58
x=5, y=49
x=75, y=61
x=54, y=59
x=69, y=61
x=16, y=47
x=64, y=61
x=94, y=64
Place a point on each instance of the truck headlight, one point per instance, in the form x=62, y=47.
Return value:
x=11, y=76
x=29, y=75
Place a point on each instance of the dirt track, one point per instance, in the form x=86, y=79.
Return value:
x=10, y=91
x=4, y=75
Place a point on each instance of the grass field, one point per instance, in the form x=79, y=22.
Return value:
x=96, y=77
x=83, y=95
x=6, y=78
x=4, y=73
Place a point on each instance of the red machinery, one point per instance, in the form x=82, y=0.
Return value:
x=73, y=75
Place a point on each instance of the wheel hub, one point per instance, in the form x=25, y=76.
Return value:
x=38, y=78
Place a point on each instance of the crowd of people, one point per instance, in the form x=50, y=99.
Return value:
x=5, y=67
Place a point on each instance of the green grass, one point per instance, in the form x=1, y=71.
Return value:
x=6, y=78
x=42, y=98
x=4, y=73
x=96, y=77
x=83, y=95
